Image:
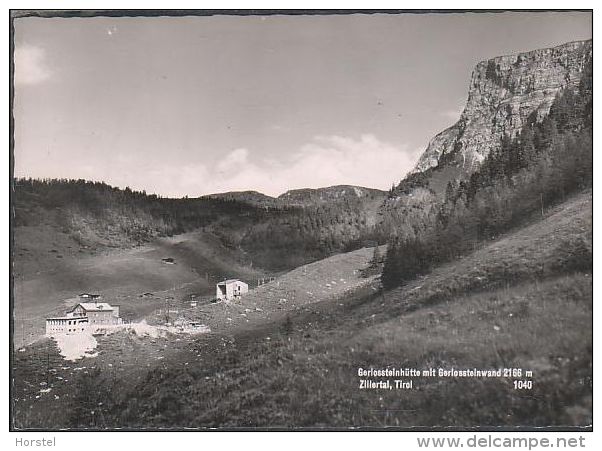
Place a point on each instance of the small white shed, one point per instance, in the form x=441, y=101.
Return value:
x=231, y=289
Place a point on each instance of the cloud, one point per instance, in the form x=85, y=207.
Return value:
x=325, y=161
x=235, y=160
x=162, y=179
x=30, y=65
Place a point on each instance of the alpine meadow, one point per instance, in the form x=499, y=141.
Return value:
x=459, y=299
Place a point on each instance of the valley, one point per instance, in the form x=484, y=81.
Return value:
x=296, y=361
x=481, y=258
x=137, y=278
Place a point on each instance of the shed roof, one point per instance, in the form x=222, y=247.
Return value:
x=229, y=281
x=65, y=318
x=95, y=306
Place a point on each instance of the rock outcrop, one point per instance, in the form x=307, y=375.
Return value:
x=503, y=92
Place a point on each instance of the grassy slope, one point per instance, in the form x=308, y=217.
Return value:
x=523, y=301
x=46, y=284
x=326, y=279
x=126, y=361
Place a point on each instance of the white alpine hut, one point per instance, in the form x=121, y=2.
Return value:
x=231, y=289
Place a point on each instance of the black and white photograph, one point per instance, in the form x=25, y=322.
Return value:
x=301, y=220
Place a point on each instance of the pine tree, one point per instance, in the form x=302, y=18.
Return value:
x=376, y=257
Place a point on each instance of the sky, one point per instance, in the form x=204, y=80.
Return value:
x=187, y=106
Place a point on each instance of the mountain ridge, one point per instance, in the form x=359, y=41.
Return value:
x=300, y=196
x=504, y=91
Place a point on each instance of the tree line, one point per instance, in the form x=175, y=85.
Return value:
x=275, y=238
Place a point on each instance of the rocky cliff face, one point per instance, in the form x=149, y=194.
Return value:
x=503, y=93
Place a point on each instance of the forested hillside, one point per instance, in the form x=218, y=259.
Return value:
x=97, y=216
x=543, y=164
